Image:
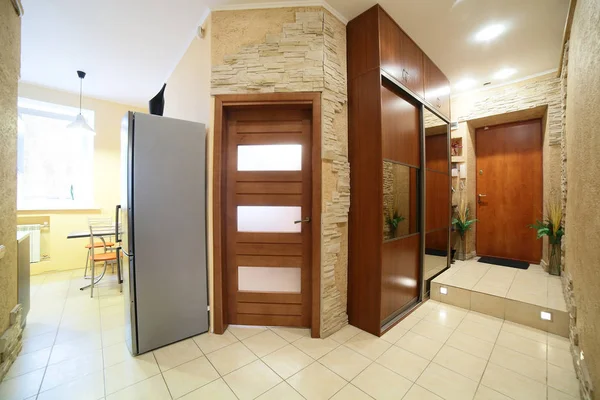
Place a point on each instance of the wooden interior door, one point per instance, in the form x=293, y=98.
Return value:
x=509, y=190
x=268, y=216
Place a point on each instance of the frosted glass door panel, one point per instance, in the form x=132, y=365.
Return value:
x=269, y=279
x=275, y=157
x=268, y=219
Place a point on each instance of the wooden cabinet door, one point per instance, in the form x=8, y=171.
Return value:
x=400, y=133
x=400, y=56
x=437, y=87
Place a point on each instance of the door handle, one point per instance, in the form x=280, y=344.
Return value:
x=307, y=219
x=480, y=196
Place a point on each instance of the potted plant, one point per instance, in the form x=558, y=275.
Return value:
x=462, y=224
x=392, y=222
x=551, y=227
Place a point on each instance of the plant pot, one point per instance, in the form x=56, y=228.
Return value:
x=461, y=248
x=555, y=255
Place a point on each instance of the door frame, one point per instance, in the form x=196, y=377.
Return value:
x=223, y=103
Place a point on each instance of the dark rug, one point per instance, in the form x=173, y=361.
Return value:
x=436, y=252
x=504, y=262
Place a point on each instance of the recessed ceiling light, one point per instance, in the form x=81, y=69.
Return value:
x=464, y=84
x=505, y=73
x=490, y=32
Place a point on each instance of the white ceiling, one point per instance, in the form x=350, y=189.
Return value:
x=129, y=47
x=444, y=29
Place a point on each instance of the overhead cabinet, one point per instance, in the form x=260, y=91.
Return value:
x=437, y=87
x=376, y=41
x=389, y=81
x=400, y=56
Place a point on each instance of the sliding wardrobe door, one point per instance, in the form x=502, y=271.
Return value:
x=400, y=123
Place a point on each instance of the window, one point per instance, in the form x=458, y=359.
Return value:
x=54, y=163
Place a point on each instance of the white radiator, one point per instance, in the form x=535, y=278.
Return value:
x=34, y=231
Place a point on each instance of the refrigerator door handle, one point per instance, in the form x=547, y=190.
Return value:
x=126, y=254
x=117, y=224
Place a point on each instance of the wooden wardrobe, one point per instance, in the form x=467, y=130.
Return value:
x=390, y=81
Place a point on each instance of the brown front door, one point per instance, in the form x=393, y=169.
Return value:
x=268, y=216
x=509, y=190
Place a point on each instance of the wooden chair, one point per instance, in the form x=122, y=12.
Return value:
x=101, y=221
x=108, y=255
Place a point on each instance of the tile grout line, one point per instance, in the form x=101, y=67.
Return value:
x=487, y=361
x=223, y=376
x=203, y=355
x=161, y=372
x=479, y=384
x=268, y=366
x=357, y=388
x=429, y=361
x=102, y=351
x=313, y=361
x=482, y=276
x=102, y=347
x=547, y=367
x=54, y=341
x=212, y=365
x=361, y=371
x=511, y=284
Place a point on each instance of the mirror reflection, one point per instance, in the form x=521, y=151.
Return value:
x=437, y=196
x=436, y=253
x=400, y=200
x=436, y=142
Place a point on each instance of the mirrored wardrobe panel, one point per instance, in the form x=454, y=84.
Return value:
x=400, y=200
x=401, y=249
x=437, y=197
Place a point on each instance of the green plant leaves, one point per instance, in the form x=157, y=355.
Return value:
x=546, y=228
x=462, y=226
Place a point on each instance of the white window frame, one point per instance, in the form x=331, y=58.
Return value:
x=67, y=114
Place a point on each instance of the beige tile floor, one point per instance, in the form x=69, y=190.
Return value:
x=533, y=285
x=74, y=349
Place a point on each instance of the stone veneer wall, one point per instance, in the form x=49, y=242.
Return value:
x=538, y=97
x=585, y=381
x=11, y=341
x=581, y=190
x=10, y=43
x=544, y=91
x=302, y=50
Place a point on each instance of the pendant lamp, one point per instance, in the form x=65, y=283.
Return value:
x=80, y=122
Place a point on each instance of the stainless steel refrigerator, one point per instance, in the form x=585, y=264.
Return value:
x=163, y=240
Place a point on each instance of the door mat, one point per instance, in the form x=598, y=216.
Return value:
x=504, y=262
x=436, y=252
